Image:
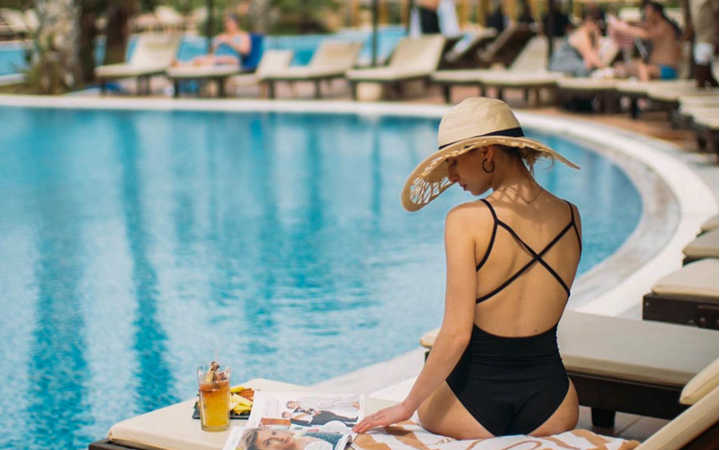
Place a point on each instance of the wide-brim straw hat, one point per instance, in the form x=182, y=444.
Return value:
x=474, y=123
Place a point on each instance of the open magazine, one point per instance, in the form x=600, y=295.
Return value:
x=298, y=421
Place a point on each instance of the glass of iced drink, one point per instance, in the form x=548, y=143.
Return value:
x=214, y=392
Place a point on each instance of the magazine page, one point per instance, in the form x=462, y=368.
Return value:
x=299, y=421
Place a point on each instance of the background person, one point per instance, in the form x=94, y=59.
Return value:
x=704, y=17
x=227, y=48
x=664, y=36
x=578, y=55
x=495, y=368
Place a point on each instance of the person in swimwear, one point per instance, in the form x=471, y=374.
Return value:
x=579, y=54
x=665, y=38
x=228, y=47
x=495, y=368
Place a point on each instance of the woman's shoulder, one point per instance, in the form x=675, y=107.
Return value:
x=476, y=213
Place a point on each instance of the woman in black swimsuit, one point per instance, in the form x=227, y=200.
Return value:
x=495, y=368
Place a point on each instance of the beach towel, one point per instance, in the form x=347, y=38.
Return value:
x=409, y=435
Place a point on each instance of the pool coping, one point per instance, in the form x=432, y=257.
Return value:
x=694, y=199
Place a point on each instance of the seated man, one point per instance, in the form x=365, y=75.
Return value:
x=664, y=36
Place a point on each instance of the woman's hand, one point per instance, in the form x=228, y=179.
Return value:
x=384, y=417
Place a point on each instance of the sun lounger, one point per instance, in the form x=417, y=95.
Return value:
x=152, y=56
x=217, y=74
x=585, y=88
x=412, y=59
x=709, y=225
x=330, y=61
x=687, y=296
x=174, y=427
x=636, y=89
x=15, y=21
x=466, y=52
x=528, y=72
x=628, y=365
x=704, y=246
x=272, y=62
x=508, y=45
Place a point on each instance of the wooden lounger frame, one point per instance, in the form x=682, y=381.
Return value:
x=691, y=311
x=396, y=85
x=316, y=80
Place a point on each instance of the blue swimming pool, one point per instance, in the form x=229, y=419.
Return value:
x=137, y=244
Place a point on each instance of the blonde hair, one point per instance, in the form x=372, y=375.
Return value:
x=527, y=155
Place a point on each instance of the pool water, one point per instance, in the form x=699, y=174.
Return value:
x=137, y=245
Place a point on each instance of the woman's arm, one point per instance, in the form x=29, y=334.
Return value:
x=626, y=28
x=457, y=323
x=590, y=56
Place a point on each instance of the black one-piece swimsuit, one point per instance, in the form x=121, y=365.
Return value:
x=512, y=385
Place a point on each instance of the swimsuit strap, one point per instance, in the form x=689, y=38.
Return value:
x=492, y=236
x=536, y=256
x=574, y=225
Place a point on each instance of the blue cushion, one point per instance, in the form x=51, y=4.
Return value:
x=251, y=61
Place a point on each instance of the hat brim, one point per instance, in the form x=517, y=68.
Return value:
x=430, y=178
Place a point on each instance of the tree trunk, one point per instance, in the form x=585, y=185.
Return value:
x=117, y=30
x=88, y=33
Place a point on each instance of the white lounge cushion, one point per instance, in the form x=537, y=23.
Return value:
x=587, y=83
x=710, y=224
x=462, y=76
x=128, y=70
x=190, y=71
x=700, y=385
x=687, y=426
x=704, y=246
x=697, y=279
x=675, y=93
x=642, y=87
x=383, y=74
x=513, y=78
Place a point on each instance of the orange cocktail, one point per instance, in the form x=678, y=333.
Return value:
x=214, y=403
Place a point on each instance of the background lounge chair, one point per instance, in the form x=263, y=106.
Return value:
x=686, y=296
x=15, y=23
x=152, y=56
x=272, y=62
x=466, y=52
x=217, y=73
x=412, y=59
x=527, y=72
x=703, y=246
x=331, y=60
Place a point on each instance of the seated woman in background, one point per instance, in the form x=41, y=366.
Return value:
x=578, y=55
x=228, y=47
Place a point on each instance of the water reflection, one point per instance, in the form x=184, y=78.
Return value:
x=153, y=377
x=58, y=369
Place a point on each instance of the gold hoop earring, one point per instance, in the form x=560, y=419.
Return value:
x=485, y=169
